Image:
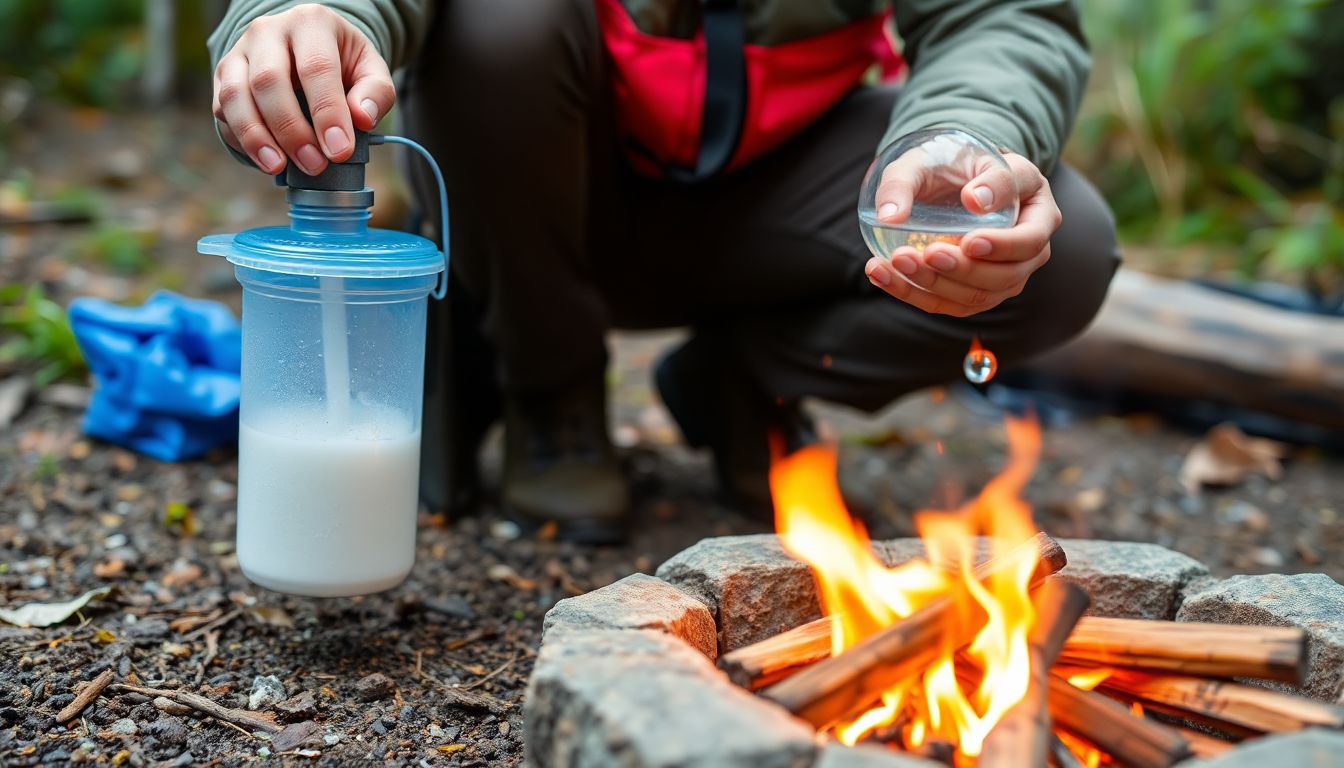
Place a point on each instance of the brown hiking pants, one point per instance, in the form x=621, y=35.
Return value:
x=556, y=241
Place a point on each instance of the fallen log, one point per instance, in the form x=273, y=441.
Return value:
x=837, y=687
x=764, y=663
x=1022, y=738
x=1133, y=741
x=1212, y=650
x=1163, y=339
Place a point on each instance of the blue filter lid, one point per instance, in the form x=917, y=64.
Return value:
x=357, y=252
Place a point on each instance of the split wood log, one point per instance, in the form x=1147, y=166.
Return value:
x=1173, y=339
x=1022, y=737
x=85, y=696
x=764, y=663
x=842, y=685
x=1133, y=741
x=1211, y=650
x=1203, y=745
x=238, y=717
x=1219, y=702
x=1060, y=754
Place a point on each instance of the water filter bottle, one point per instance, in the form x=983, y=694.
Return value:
x=332, y=386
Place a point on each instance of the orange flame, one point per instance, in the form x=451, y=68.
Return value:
x=862, y=595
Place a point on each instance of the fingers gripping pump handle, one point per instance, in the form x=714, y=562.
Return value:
x=348, y=177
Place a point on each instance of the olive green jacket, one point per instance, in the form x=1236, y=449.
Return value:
x=1013, y=70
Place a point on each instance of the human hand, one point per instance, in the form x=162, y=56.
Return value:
x=987, y=266
x=317, y=50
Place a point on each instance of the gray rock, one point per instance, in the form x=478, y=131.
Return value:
x=1312, y=601
x=1131, y=580
x=638, y=601
x=147, y=631
x=267, y=691
x=374, y=687
x=169, y=730
x=638, y=698
x=1312, y=748
x=125, y=726
x=294, y=735
x=753, y=588
x=184, y=760
x=835, y=755
x=299, y=707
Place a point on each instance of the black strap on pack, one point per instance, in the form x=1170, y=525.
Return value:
x=725, y=91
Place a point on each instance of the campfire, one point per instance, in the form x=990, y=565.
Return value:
x=974, y=655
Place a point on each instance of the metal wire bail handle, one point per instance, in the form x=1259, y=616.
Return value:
x=441, y=289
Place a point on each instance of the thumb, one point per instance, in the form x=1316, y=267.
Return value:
x=989, y=191
x=371, y=93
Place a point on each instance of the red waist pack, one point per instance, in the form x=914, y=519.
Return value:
x=691, y=109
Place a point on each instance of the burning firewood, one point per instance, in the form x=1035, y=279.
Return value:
x=837, y=687
x=1213, y=650
x=1136, y=742
x=1227, y=706
x=1023, y=737
x=773, y=659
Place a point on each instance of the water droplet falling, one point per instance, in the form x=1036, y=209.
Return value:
x=980, y=364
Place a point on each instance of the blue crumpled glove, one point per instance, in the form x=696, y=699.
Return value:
x=167, y=372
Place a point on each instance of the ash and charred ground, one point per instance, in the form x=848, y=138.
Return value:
x=76, y=514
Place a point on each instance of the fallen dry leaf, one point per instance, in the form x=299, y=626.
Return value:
x=449, y=749
x=46, y=614
x=506, y=574
x=271, y=615
x=106, y=569
x=1227, y=455
x=183, y=573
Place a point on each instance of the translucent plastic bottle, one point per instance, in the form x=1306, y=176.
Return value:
x=332, y=384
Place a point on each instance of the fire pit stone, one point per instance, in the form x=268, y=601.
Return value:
x=638, y=697
x=1312, y=601
x=638, y=601
x=1132, y=580
x=1312, y=748
x=835, y=755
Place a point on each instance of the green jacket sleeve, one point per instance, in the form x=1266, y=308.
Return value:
x=1012, y=70
x=395, y=27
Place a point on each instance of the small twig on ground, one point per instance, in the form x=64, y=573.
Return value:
x=491, y=674
x=461, y=697
x=216, y=624
x=211, y=650
x=236, y=717
x=85, y=697
x=453, y=645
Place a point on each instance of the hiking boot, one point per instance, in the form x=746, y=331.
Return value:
x=560, y=467
x=718, y=405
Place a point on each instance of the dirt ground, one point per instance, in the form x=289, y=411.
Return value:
x=456, y=641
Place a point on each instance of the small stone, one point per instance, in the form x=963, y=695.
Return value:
x=331, y=739
x=299, y=707
x=1248, y=516
x=640, y=697
x=168, y=729
x=294, y=735
x=1130, y=580
x=1312, y=601
x=407, y=712
x=125, y=726
x=267, y=690
x=116, y=541
x=1267, y=557
x=36, y=581
x=435, y=732
x=374, y=687
x=1312, y=748
x=221, y=490
x=378, y=727
x=452, y=605
x=170, y=707
x=147, y=631
x=638, y=601
x=505, y=530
